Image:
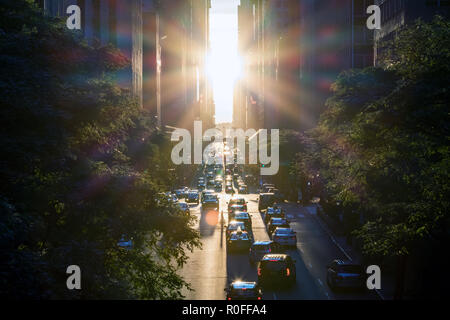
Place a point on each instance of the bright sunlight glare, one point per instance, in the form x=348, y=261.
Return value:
x=224, y=64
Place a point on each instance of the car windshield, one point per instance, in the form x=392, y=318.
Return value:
x=235, y=226
x=278, y=221
x=350, y=269
x=283, y=231
x=210, y=197
x=236, y=236
x=193, y=195
x=241, y=215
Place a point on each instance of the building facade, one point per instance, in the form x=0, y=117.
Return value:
x=333, y=38
x=166, y=43
x=116, y=22
x=398, y=13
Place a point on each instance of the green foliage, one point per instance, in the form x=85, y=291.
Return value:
x=382, y=145
x=78, y=171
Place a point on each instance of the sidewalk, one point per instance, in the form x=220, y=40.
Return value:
x=350, y=251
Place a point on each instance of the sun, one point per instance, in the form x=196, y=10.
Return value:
x=223, y=65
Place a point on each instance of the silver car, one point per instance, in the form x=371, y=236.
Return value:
x=285, y=237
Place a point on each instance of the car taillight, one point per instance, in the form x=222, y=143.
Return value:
x=259, y=271
x=288, y=272
x=229, y=298
x=259, y=298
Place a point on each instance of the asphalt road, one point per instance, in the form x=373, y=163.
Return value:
x=210, y=269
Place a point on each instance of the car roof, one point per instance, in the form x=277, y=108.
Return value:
x=277, y=219
x=235, y=222
x=278, y=229
x=275, y=257
x=241, y=213
x=243, y=285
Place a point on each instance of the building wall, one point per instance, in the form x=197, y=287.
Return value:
x=333, y=38
x=111, y=21
x=397, y=13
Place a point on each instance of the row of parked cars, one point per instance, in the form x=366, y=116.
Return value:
x=274, y=266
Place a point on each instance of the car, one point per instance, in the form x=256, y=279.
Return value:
x=229, y=189
x=345, y=274
x=210, y=184
x=243, y=189
x=244, y=217
x=207, y=191
x=285, y=237
x=239, y=290
x=276, y=223
x=210, y=200
x=234, y=208
x=218, y=186
x=279, y=197
x=201, y=186
x=266, y=187
x=273, y=212
x=180, y=193
x=125, y=243
x=184, y=207
x=239, y=241
x=172, y=198
x=265, y=200
x=261, y=248
x=234, y=226
x=192, y=197
x=237, y=201
x=276, y=269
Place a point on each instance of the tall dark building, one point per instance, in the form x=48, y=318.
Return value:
x=333, y=38
x=118, y=22
x=397, y=13
x=166, y=42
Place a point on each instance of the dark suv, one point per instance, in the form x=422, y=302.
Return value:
x=265, y=200
x=277, y=269
x=276, y=223
x=345, y=274
x=243, y=291
x=260, y=248
x=273, y=212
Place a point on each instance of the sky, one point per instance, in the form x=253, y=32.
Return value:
x=224, y=64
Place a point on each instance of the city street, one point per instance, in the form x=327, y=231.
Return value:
x=210, y=269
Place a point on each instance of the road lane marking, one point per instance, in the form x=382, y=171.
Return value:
x=332, y=239
x=320, y=282
x=342, y=249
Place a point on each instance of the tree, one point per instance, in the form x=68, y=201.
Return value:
x=383, y=144
x=77, y=172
